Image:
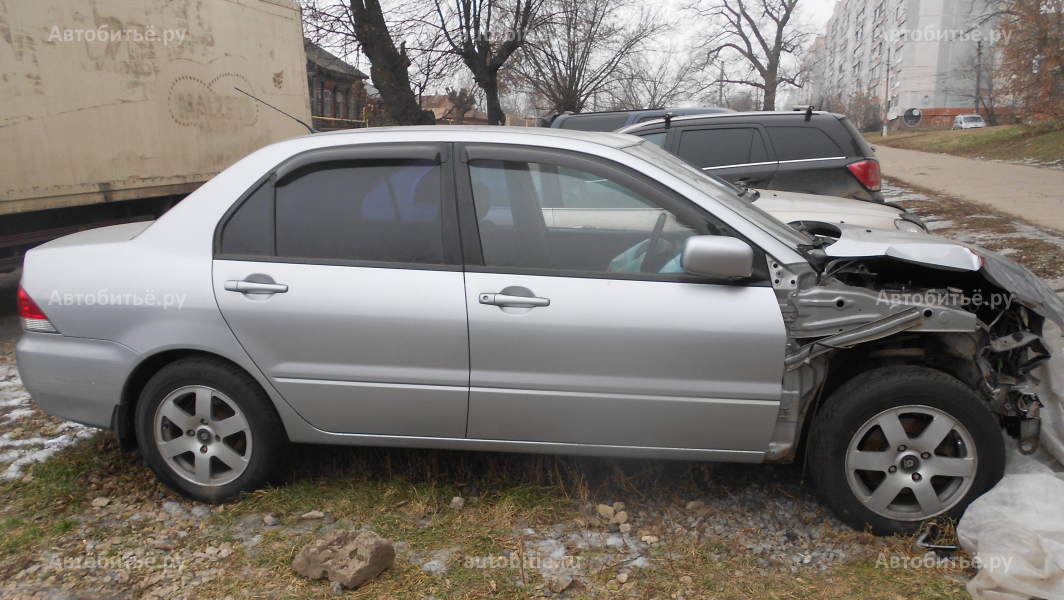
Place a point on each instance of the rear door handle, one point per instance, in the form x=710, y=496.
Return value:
x=254, y=287
x=514, y=301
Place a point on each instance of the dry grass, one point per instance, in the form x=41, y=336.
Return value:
x=403, y=495
x=1042, y=143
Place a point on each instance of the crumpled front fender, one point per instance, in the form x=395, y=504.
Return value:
x=1027, y=288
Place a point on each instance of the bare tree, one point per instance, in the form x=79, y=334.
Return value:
x=363, y=21
x=865, y=111
x=659, y=79
x=432, y=64
x=743, y=101
x=1032, y=55
x=462, y=102
x=763, y=34
x=485, y=34
x=581, y=47
x=982, y=69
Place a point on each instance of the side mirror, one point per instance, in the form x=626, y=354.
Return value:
x=717, y=256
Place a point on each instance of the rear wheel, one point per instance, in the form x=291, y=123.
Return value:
x=896, y=446
x=208, y=430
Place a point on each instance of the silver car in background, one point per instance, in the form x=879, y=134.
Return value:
x=533, y=290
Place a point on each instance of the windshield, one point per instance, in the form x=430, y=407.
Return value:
x=973, y=119
x=721, y=191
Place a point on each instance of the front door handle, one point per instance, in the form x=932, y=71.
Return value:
x=513, y=301
x=254, y=287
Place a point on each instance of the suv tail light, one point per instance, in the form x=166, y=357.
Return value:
x=33, y=318
x=867, y=172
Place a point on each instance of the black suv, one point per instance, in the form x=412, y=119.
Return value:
x=811, y=152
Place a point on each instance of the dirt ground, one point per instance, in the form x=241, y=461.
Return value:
x=1030, y=193
x=79, y=520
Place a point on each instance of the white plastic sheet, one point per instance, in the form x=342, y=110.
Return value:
x=1016, y=530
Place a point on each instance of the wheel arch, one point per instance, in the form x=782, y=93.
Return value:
x=948, y=357
x=123, y=423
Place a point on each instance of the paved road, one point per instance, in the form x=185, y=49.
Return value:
x=1029, y=192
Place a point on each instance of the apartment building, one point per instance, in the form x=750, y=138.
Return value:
x=920, y=54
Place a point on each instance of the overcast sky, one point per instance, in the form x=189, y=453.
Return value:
x=817, y=12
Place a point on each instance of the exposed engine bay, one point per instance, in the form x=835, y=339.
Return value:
x=959, y=309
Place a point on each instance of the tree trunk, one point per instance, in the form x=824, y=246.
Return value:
x=490, y=85
x=770, y=92
x=389, y=66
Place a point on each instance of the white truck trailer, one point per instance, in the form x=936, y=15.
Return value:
x=113, y=110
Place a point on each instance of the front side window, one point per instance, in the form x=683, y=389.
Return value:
x=550, y=217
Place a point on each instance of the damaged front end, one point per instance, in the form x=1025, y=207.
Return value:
x=875, y=298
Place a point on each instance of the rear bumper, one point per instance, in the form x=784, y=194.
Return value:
x=78, y=379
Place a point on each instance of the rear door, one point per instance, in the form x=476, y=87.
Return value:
x=732, y=152
x=341, y=277
x=584, y=328
x=811, y=162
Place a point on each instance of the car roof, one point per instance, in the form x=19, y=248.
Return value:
x=628, y=111
x=744, y=116
x=461, y=133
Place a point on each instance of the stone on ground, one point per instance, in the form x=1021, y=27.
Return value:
x=349, y=558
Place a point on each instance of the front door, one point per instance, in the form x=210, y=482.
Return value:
x=342, y=281
x=583, y=328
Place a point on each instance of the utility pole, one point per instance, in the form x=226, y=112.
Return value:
x=886, y=93
x=714, y=55
x=720, y=100
x=978, y=72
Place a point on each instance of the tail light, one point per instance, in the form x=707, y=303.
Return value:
x=33, y=318
x=867, y=172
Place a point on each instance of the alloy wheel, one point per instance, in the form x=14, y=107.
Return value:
x=203, y=435
x=911, y=463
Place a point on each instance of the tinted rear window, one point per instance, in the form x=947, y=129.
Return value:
x=800, y=143
x=605, y=122
x=249, y=231
x=387, y=211
x=861, y=147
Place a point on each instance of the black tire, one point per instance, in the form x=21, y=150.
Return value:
x=874, y=395
x=259, y=446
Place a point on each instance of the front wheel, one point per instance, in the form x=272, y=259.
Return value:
x=208, y=431
x=896, y=446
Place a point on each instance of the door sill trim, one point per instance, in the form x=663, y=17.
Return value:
x=531, y=447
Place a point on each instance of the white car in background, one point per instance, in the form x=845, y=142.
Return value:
x=968, y=122
x=818, y=214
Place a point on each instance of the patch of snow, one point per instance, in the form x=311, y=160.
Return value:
x=18, y=414
x=936, y=225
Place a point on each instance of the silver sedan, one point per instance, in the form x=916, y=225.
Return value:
x=533, y=290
